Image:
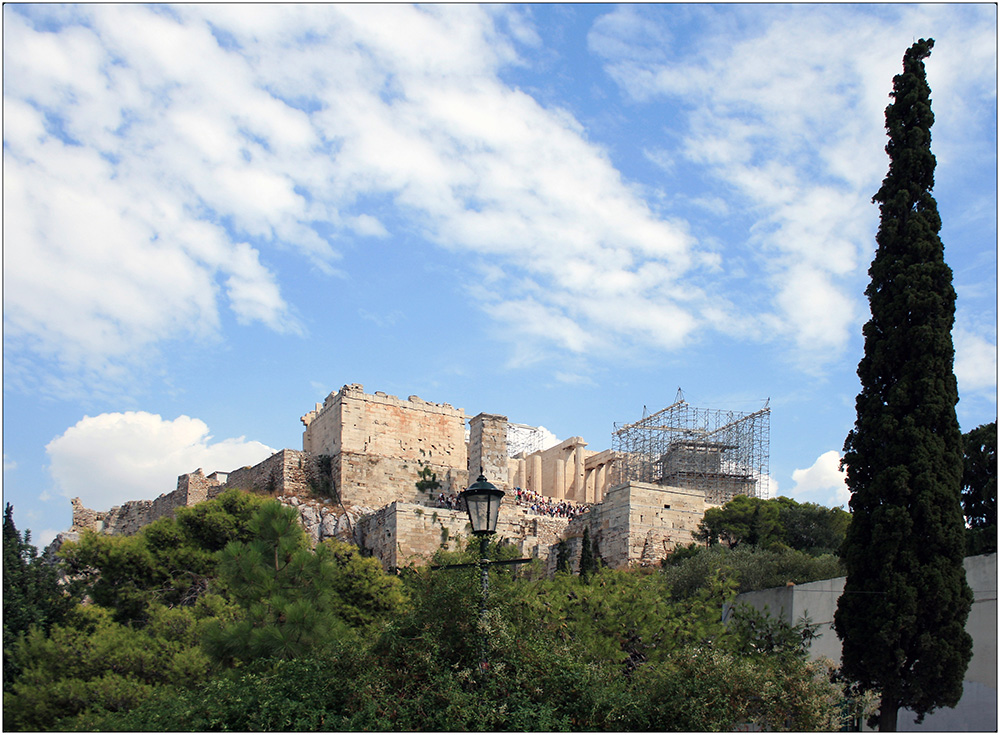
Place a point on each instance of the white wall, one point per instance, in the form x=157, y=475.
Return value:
x=977, y=710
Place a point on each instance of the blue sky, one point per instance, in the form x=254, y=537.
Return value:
x=216, y=215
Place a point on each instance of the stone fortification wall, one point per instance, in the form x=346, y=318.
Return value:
x=379, y=444
x=641, y=523
x=286, y=471
x=377, y=481
x=129, y=517
x=406, y=533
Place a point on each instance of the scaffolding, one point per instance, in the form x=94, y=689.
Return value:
x=524, y=438
x=722, y=453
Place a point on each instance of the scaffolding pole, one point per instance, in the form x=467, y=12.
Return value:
x=722, y=453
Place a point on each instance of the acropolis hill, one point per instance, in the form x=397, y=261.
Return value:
x=379, y=471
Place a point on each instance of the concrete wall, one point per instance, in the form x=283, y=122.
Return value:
x=977, y=710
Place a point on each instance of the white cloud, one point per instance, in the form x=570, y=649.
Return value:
x=793, y=125
x=823, y=483
x=8, y=464
x=975, y=361
x=298, y=115
x=155, y=155
x=109, y=459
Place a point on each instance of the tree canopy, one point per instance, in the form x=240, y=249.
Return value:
x=782, y=521
x=281, y=637
x=902, y=615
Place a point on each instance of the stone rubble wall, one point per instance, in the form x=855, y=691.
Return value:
x=129, y=517
x=285, y=471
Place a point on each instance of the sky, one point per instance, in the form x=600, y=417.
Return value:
x=216, y=215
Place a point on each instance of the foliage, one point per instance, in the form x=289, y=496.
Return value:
x=811, y=527
x=92, y=665
x=32, y=595
x=753, y=631
x=267, y=695
x=588, y=558
x=979, y=489
x=292, y=599
x=708, y=689
x=752, y=568
x=428, y=481
x=286, y=638
x=902, y=615
x=743, y=519
x=170, y=561
x=773, y=523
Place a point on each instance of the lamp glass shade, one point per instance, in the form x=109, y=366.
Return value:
x=482, y=500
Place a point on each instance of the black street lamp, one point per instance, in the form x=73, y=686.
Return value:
x=482, y=500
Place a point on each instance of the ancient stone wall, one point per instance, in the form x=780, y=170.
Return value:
x=379, y=445
x=488, y=449
x=376, y=481
x=286, y=471
x=641, y=523
x=129, y=517
x=405, y=533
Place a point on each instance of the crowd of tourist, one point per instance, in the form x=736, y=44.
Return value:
x=527, y=499
x=451, y=502
x=546, y=506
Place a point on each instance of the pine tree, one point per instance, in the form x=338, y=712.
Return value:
x=902, y=615
x=32, y=595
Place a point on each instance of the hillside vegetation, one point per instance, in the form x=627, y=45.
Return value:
x=224, y=618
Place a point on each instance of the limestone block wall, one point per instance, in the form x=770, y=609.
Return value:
x=641, y=523
x=364, y=479
x=406, y=533
x=488, y=449
x=379, y=444
x=383, y=425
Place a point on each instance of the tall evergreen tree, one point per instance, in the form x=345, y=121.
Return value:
x=902, y=615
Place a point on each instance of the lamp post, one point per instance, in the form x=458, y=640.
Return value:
x=482, y=501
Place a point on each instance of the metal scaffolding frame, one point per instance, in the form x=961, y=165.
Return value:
x=523, y=438
x=723, y=453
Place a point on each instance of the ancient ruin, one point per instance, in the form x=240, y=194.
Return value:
x=384, y=473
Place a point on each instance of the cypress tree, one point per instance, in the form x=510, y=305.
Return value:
x=902, y=615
